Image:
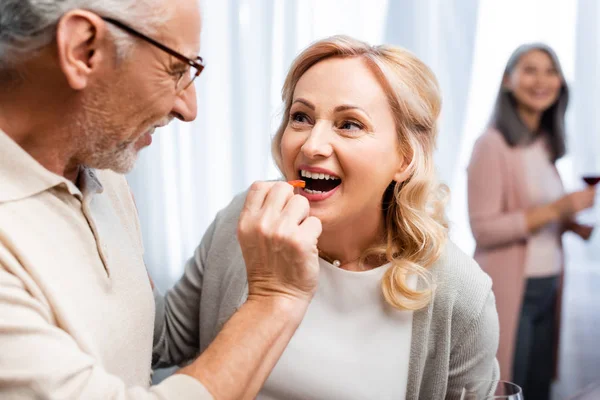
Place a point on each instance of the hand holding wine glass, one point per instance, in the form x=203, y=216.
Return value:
x=572, y=203
x=589, y=217
x=584, y=231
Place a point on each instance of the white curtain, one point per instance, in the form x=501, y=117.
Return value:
x=580, y=354
x=441, y=33
x=584, y=140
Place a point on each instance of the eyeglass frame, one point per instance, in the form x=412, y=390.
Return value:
x=198, y=63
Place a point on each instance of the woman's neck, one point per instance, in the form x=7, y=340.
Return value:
x=530, y=118
x=347, y=243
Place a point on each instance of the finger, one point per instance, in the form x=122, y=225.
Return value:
x=256, y=195
x=296, y=210
x=276, y=200
x=311, y=227
x=591, y=195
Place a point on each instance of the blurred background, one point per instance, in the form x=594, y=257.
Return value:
x=193, y=170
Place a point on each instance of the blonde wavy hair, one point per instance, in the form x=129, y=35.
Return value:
x=415, y=224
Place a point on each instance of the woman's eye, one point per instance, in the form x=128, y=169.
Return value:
x=299, y=117
x=351, y=126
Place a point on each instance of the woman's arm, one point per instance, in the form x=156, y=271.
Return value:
x=491, y=225
x=177, y=319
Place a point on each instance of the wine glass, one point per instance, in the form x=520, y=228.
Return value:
x=483, y=390
x=591, y=177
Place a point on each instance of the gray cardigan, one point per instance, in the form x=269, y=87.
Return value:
x=454, y=339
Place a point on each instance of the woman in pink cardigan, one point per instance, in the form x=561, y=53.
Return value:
x=518, y=211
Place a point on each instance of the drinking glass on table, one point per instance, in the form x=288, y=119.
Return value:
x=483, y=390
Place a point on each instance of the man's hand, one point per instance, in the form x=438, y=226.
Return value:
x=279, y=242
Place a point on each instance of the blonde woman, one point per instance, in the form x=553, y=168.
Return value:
x=400, y=312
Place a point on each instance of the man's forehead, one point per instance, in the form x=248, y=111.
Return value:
x=183, y=25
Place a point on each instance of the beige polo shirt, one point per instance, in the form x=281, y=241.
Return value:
x=76, y=307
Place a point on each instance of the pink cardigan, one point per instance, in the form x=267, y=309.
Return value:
x=498, y=200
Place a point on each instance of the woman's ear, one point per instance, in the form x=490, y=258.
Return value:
x=404, y=171
x=407, y=153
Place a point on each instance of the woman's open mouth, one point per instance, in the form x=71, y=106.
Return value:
x=319, y=186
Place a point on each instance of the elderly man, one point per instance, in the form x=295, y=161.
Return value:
x=83, y=85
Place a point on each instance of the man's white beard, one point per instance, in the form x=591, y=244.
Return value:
x=101, y=138
x=120, y=160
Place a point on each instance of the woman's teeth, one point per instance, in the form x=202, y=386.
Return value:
x=313, y=191
x=316, y=175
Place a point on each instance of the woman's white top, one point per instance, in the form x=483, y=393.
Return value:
x=544, y=252
x=351, y=344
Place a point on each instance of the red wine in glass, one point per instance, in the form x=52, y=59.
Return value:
x=591, y=179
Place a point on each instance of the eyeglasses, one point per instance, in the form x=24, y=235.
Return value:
x=195, y=66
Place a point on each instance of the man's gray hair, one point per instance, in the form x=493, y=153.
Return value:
x=27, y=26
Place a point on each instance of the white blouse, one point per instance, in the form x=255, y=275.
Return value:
x=544, y=253
x=351, y=344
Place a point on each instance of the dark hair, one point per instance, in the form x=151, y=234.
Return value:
x=506, y=119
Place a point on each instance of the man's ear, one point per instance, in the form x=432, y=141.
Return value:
x=81, y=40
